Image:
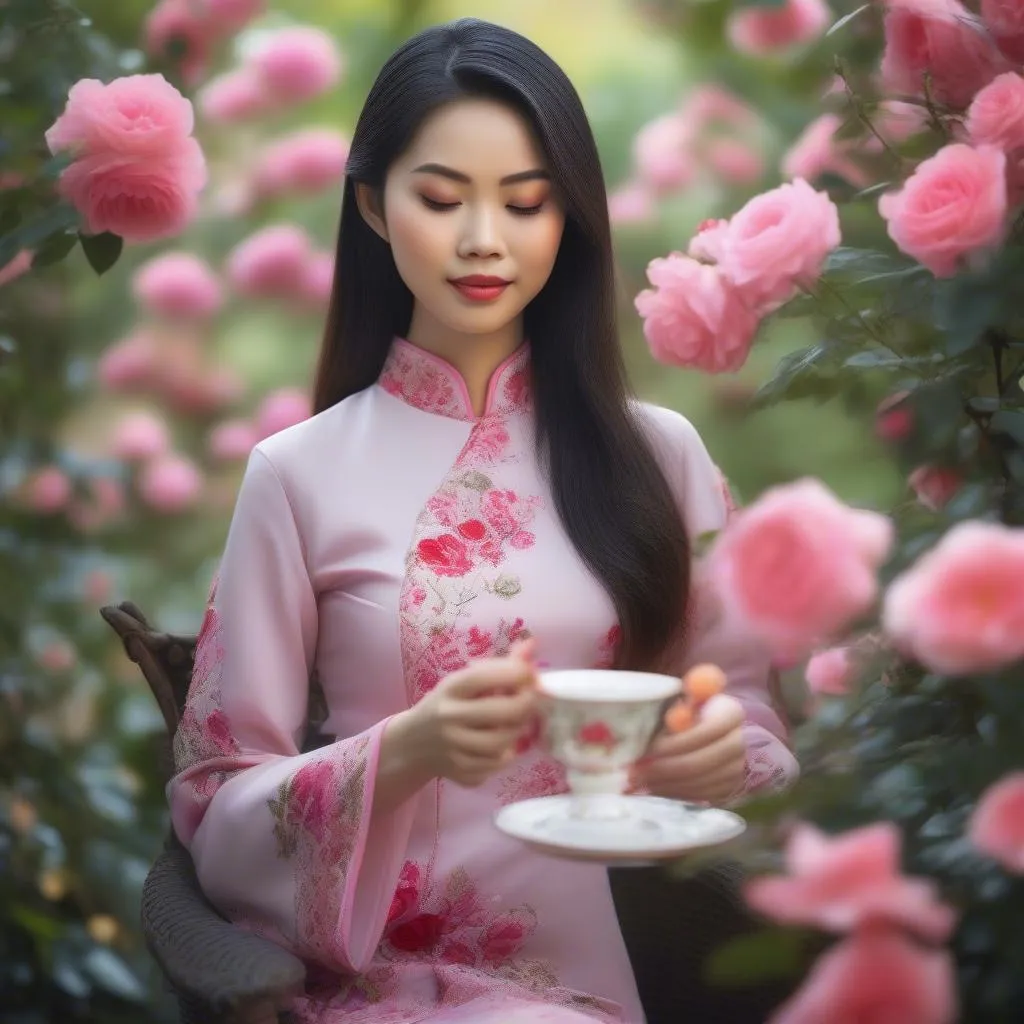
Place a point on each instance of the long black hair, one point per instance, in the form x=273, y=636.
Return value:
x=611, y=495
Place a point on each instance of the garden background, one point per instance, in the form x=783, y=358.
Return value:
x=87, y=520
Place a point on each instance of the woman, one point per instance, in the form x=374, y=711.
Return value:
x=476, y=494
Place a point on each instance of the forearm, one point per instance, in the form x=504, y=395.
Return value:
x=400, y=770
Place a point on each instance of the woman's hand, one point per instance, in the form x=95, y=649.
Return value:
x=704, y=763
x=467, y=727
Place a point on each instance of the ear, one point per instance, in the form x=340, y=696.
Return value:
x=371, y=205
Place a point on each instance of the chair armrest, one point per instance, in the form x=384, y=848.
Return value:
x=202, y=954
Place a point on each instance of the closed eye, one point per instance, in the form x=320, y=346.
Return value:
x=433, y=204
x=526, y=211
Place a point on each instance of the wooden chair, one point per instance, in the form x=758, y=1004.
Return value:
x=223, y=975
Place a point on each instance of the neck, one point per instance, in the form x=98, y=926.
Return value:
x=474, y=356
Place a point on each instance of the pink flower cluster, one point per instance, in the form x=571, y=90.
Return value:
x=279, y=262
x=137, y=171
x=797, y=566
x=706, y=306
x=954, y=207
x=759, y=31
x=178, y=285
x=887, y=967
x=289, y=66
x=188, y=30
x=712, y=129
x=306, y=161
x=960, y=607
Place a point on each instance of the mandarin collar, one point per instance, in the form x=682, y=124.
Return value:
x=429, y=383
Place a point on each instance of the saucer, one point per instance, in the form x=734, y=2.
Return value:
x=649, y=828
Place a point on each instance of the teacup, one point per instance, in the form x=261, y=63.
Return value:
x=598, y=722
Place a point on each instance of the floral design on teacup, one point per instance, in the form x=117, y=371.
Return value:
x=597, y=734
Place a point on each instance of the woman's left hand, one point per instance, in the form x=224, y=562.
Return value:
x=704, y=763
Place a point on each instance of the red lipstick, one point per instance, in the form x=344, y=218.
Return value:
x=479, y=287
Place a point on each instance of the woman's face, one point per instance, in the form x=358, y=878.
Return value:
x=472, y=221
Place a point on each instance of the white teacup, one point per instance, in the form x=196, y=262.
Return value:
x=598, y=722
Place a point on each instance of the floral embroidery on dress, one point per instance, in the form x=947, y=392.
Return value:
x=455, y=926
x=463, y=534
x=542, y=777
x=204, y=732
x=317, y=813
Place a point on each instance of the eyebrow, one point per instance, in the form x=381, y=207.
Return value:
x=510, y=179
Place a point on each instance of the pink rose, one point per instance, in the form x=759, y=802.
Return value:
x=16, y=267
x=318, y=279
x=232, y=440
x=140, y=435
x=996, y=827
x=708, y=244
x=935, y=486
x=281, y=409
x=763, y=30
x=234, y=96
x=709, y=104
x=816, y=152
x=735, y=162
x=129, y=363
x=829, y=672
x=694, y=316
x=797, y=565
x=58, y=656
x=271, y=262
x=960, y=607
x=778, y=241
x=940, y=39
x=630, y=203
x=136, y=116
x=48, y=490
x=176, y=30
x=848, y=882
x=662, y=153
x=876, y=976
x=140, y=200
x=1005, y=20
x=298, y=63
x=231, y=15
x=305, y=161
x=178, y=284
x=996, y=114
x=170, y=483
x=894, y=419
x=952, y=206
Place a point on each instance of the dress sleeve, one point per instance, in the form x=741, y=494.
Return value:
x=283, y=841
x=706, y=503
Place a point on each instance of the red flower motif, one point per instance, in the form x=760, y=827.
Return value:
x=446, y=555
x=479, y=642
x=219, y=730
x=420, y=935
x=458, y=953
x=502, y=939
x=407, y=894
x=597, y=734
x=309, y=798
x=472, y=529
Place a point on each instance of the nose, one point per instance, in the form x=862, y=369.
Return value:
x=481, y=238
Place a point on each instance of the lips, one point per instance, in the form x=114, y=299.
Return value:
x=480, y=287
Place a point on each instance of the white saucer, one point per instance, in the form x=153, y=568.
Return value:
x=650, y=829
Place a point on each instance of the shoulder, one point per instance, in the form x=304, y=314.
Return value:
x=298, y=453
x=691, y=473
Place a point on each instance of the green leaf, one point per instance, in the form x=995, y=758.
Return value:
x=766, y=955
x=110, y=971
x=102, y=251
x=54, y=250
x=1009, y=421
x=800, y=374
x=846, y=19
x=31, y=235
x=846, y=259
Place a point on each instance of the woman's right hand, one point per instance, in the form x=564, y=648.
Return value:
x=467, y=727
